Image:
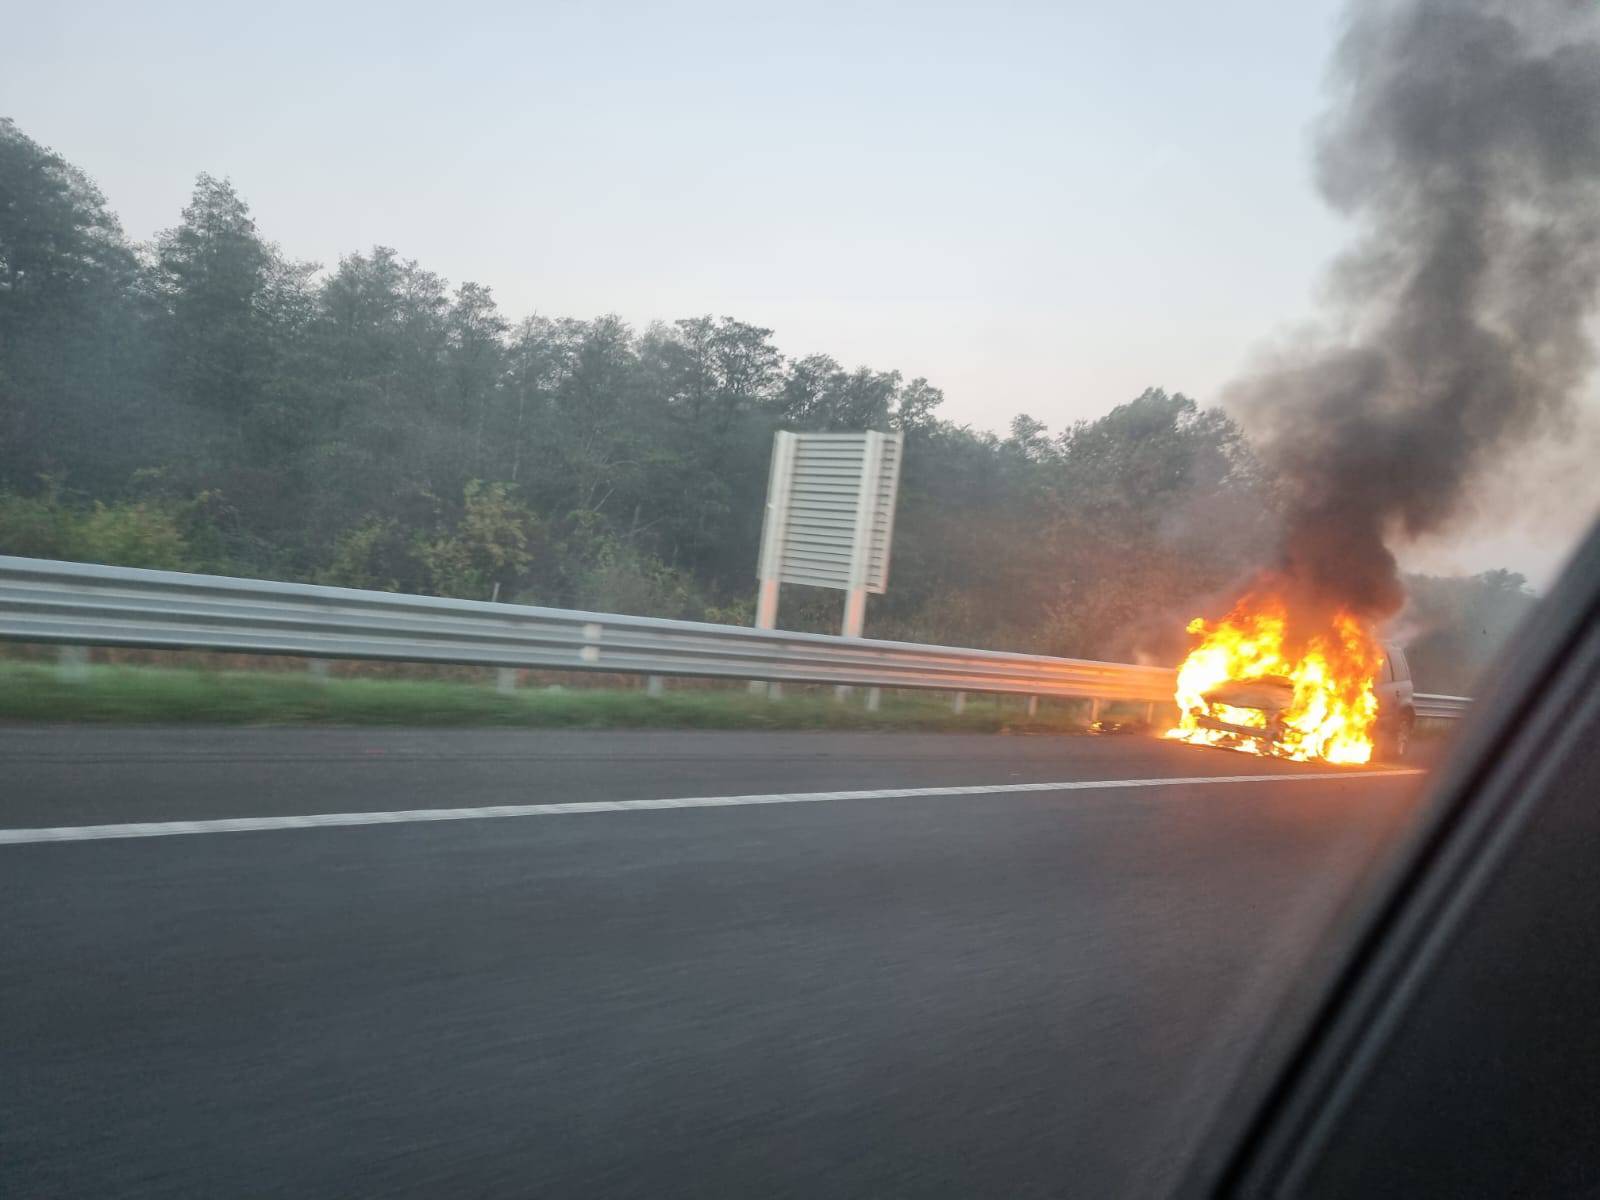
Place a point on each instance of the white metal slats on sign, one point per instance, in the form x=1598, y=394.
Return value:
x=823, y=501
x=830, y=509
x=882, y=531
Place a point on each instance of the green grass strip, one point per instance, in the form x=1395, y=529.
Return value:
x=149, y=695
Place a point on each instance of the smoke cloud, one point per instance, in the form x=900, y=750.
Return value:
x=1464, y=140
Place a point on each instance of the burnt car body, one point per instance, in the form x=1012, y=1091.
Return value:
x=1272, y=695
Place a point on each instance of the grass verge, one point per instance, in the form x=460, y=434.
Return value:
x=146, y=695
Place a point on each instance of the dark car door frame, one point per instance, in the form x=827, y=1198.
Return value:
x=1519, y=737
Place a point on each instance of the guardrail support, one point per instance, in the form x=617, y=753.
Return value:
x=317, y=668
x=655, y=686
x=505, y=680
x=874, y=699
x=1094, y=710
x=960, y=703
x=774, y=690
x=1033, y=706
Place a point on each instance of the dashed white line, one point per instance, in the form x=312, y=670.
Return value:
x=96, y=833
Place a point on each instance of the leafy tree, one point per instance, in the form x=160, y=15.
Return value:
x=137, y=533
x=819, y=394
x=536, y=363
x=211, y=274
x=708, y=389
x=475, y=355
x=619, y=577
x=374, y=554
x=914, y=412
x=69, y=323
x=488, y=549
x=37, y=526
x=211, y=402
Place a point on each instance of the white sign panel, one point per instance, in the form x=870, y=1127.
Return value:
x=830, y=510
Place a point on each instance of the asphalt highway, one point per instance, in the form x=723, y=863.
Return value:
x=646, y=965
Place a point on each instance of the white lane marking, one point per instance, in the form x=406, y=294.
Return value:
x=95, y=833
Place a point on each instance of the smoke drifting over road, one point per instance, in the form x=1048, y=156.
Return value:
x=1465, y=141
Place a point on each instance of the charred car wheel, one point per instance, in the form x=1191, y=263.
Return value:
x=1393, y=744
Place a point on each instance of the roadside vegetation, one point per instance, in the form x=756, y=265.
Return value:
x=32, y=691
x=206, y=401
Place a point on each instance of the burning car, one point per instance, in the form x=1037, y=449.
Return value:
x=1319, y=688
x=1257, y=710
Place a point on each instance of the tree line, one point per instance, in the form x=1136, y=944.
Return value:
x=206, y=402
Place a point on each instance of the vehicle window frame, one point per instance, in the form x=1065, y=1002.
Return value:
x=1275, y=1113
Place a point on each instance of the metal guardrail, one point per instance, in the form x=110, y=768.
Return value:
x=80, y=604
x=83, y=604
x=1441, y=708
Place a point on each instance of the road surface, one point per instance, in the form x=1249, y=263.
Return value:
x=849, y=979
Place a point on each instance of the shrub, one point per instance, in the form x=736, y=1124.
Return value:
x=126, y=534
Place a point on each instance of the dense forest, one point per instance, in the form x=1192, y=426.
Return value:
x=206, y=402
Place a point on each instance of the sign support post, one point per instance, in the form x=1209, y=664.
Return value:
x=855, y=596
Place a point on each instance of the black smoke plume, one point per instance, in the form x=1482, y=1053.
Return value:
x=1465, y=142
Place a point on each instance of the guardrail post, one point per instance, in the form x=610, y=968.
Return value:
x=505, y=680
x=1033, y=706
x=960, y=703
x=874, y=699
x=1150, y=712
x=1094, y=710
x=841, y=692
x=72, y=664
x=654, y=686
x=774, y=690
x=317, y=668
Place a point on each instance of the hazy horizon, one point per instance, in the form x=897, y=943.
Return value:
x=1039, y=211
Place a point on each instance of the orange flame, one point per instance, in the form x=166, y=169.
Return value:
x=1332, y=708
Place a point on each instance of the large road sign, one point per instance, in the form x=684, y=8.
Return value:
x=830, y=518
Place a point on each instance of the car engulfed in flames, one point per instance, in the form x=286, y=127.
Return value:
x=1251, y=684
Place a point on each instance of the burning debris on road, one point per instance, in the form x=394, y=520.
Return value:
x=1466, y=141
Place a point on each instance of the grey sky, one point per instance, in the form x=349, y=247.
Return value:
x=1041, y=207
